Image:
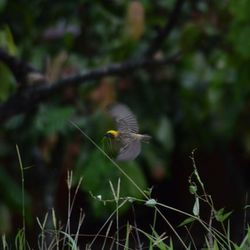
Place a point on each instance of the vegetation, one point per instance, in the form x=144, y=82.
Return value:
x=181, y=66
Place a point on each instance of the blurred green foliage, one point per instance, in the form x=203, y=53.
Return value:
x=201, y=100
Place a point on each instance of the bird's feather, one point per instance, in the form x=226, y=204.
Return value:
x=130, y=151
x=124, y=118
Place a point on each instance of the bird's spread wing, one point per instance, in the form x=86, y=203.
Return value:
x=129, y=151
x=124, y=118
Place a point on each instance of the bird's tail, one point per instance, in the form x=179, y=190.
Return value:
x=145, y=138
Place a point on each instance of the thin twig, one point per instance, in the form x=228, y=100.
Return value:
x=136, y=231
x=23, y=200
x=191, y=237
x=107, y=235
x=80, y=222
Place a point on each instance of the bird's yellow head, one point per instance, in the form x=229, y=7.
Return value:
x=111, y=134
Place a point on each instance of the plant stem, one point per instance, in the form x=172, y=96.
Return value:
x=23, y=206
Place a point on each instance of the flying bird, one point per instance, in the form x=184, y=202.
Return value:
x=126, y=134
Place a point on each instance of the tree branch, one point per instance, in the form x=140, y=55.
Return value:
x=19, y=68
x=27, y=99
x=166, y=30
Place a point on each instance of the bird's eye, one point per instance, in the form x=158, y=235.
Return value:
x=109, y=135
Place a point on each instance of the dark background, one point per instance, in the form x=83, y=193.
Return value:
x=181, y=66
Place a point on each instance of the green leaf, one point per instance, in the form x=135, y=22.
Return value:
x=193, y=189
x=50, y=120
x=221, y=216
x=196, y=207
x=20, y=240
x=240, y=9
x=246, y=241
x=216, y=247
x=240, y=37
x=70, y=241
x=236, y=247
x=7, y=40
x=98, y=172
x=157, y=240
x=148, y=191
x=11, y=192
x=187, y=221
x=7, y=81
x=171, y=245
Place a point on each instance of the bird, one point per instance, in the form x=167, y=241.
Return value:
x=126, y=134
